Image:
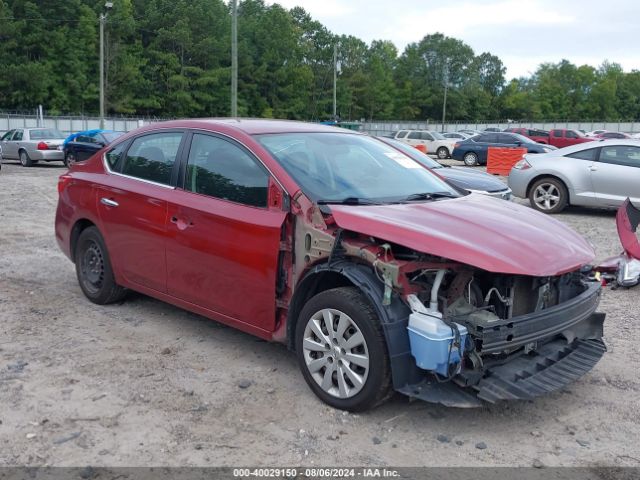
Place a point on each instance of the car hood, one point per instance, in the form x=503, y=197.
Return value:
x=476, y=230
x=472, y=179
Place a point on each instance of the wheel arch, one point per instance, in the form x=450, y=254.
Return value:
x=394, y=317
x=78, y=227
x=551, y=176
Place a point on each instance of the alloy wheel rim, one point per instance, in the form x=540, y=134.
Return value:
x=336, y=353
x=442, y=153
x=470, y=159
x=546, y=196
x=23, y=159
x=92, y=268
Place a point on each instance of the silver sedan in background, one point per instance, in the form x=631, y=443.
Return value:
x=31, y=145
x=594, y=174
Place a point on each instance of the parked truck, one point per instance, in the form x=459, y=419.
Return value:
x=563, y=137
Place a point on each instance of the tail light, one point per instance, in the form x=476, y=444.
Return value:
x=42, y=146
x=63, y=181
x=456, y=145
x=522, y=165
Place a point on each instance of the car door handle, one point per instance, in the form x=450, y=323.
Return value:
x=181, y=223
x=593, y=168
x=108, y=202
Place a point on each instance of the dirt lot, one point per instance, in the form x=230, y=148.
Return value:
x=144, y=383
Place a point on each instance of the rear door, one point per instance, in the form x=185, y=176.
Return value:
x=223, y=238
x=414, y=138
x=556, y=138
x=132, y=204
x=616, y=175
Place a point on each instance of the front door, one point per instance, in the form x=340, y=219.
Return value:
x=223, y=239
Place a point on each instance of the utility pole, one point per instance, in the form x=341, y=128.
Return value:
x=234, y=58
x=103, y=20
x=335, y=82
x=446, y=86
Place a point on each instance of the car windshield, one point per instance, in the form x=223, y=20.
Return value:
x=46, y=133
x=414, y=153
x=578, y=133
x=438, y=136
x=336, y=167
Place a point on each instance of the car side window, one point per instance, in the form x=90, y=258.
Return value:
x=402, y=134
x=151, y=157
x=415, y=135
x=571, y=134
x=17, y=135
x=85, y=139
x=621, y=155
x=219, y=168
x=589, y=154
x=6, y=136
x=427, y=136
x=506, y=139
x=557, y=133
x=114, y=156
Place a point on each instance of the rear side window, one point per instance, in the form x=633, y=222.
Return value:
x=488, y=138
x=427, y=136
x=17, y=135
x=571, y=134
x=557, y=133
x=114, y=157
x=221, y=169
x=151, y=157
x=402, y=134
x=621, y=155
x=589, y=154
x=506, y=139
x=415, y=136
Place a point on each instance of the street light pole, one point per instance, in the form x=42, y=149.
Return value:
x=446, y=86
x=103, y=20
x=335, y=82
x=234, y=58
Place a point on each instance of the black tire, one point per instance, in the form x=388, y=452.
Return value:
x=470, y=159
x=93, y=269
x=68, y=159
x=554, y=188
x=377, y=385
x=25, y=160
x=442, y=153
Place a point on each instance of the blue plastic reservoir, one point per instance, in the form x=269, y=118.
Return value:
x=432, y=344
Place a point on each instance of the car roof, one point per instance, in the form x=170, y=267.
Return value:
x=254, y=126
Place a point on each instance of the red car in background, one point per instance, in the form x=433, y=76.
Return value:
x=379, y=274
x=563, y=137
x=539, y=136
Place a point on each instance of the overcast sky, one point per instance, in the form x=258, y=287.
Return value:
x=523, y=33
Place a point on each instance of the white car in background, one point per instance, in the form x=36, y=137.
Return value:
x=594, y=133
x=435, y=142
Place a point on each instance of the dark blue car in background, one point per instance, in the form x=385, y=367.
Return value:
x=80, y=146
x=473, y=151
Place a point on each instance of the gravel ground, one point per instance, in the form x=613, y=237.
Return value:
x=144, y=383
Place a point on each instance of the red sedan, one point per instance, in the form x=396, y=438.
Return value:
x=376, y=272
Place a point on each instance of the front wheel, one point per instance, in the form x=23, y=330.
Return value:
x=341, y=350
x=548, y=195
x=93, y=269
x=442, y=153
x=69, y=159
x=470, y=159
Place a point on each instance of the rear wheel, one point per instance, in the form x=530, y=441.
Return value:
x=548, y=195
x=341, y=350
x=442, y=153
x=93, y=269
x=25, y=160
x=470, y=159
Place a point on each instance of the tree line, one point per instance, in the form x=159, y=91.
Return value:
x=171, y=58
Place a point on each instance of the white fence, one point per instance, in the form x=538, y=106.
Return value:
x=380, y=128
x=69, y=124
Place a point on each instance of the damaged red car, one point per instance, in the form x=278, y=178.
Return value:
x=380, y=275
